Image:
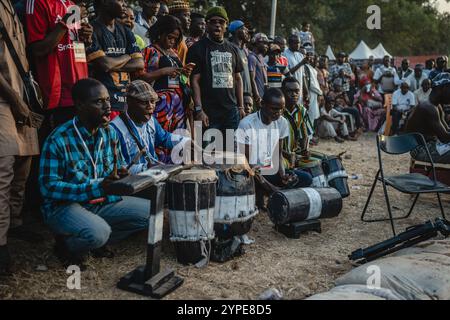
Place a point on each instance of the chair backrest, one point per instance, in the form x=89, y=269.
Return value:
x=400, y=144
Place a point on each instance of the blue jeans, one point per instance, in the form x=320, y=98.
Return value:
x=85, y=230
x=223, y=120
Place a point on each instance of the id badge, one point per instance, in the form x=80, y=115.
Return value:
x=174, y=83
x=80, y=52
x=267, y=162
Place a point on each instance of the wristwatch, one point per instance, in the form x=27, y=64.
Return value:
x=198, y=109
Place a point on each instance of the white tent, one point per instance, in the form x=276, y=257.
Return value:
x=330, y=54
x=362, y=52
x=380, y=52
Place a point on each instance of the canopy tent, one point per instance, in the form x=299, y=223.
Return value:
x=362, y=52
x=380, y=52
x=330, y=54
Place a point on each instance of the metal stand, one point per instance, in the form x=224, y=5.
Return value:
x=294, y=230
x=148, y=280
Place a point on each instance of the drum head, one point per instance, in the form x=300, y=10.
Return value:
x=195, y=175
x=222, y=160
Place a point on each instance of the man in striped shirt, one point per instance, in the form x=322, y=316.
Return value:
x=77, y=167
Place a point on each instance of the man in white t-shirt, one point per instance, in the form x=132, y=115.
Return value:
x=260, y=137
x=403, y=101
x=386, y=77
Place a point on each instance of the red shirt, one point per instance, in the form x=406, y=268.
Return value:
x=57, y=72
x=283, y=61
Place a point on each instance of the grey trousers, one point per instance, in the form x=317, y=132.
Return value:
x=14, y=172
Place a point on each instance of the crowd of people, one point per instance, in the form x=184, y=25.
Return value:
x=119, y=82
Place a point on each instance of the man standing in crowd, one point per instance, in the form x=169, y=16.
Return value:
x=323, y=74
x=403, y=101
x=18, y=140
x=114, y=53
x=79, y=162
x=313, y=88
x=281, y=42
x=240, y=38
x=342, y=72
x=216, y=79
x=197, y=30
x=386, y=77
x=405, y=71
x=415, y=79
x=146, y=18
x=163, y=10
x=181, y=10
x=257, y=66
x=306, y=36
x=57, y=43
x=296, y=61
x=429, y=66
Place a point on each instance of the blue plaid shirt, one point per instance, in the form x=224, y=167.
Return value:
x=66, y=171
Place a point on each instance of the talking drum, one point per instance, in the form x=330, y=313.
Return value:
x=290, y=206
x=192, y=197
x=314, y=167
x=235, y=198
x=336, y=175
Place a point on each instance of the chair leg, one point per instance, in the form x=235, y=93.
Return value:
x=440, y=204
x=412, y=208
x=370, y=196
x=388, y=203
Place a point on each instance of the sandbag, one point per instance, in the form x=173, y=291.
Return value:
x=418, y=273
x=355, y=292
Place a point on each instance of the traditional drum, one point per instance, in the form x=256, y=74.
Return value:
x=192, y=197
x=290, y=206
x=235, y=195
x=336, y=175
x=314, y=167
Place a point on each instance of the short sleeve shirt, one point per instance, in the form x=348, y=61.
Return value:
x=58, y=71
x=113, y=44
x=404, y=102
x=256, y=64
x=217, y=63
x=261, y=138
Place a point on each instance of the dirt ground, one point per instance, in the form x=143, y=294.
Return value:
x=298, y=268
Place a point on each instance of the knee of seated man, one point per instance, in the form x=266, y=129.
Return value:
x=305, y=178
x=97, y=236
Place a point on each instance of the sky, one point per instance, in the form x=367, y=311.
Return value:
x=443, y=5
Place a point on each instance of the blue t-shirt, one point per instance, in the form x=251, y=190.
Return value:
x=113, y=44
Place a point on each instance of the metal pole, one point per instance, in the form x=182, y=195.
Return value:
x=273, y=19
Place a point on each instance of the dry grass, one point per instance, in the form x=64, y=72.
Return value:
x=299, y=268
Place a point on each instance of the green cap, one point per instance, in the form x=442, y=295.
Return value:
x=217, y=12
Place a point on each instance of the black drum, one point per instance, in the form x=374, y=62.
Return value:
x=192, y=198
x=336, y=175
x=290, y=206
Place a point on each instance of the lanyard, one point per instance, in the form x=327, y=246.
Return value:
x=94, y=163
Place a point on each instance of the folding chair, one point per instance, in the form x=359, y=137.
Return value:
x=410, y=183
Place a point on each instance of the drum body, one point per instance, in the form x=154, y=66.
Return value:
x=336, y=175
x=314, y=167
x=235, y=203
x=192, y=197
x=297, y=205
x=235, y=195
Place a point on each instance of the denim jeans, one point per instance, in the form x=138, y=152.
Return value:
x=223, y=120
x=85, y=229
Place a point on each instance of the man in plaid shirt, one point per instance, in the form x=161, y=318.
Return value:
x=77, y=167
x=342, y=72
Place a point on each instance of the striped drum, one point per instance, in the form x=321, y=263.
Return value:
x=298, y=205
x=314, y=167
x=192, y=198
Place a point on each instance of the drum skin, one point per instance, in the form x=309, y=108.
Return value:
x=290, y=206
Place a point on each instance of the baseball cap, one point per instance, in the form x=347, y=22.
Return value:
x=260, y=37
x=235, y=25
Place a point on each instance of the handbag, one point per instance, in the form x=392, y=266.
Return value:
x=32, y=91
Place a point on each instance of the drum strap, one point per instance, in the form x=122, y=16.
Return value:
x=125, y=120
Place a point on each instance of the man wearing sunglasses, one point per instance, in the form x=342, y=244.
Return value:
x=216, y=79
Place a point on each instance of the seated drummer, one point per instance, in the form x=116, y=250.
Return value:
x=428, y=118
x=78, y=164
x=260, y=136
x=139, y=132
x=301, y=129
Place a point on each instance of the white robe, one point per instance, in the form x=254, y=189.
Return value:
x=314, y=93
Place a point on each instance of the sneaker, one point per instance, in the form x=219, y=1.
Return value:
x=24, y=233
x=5, y=261
x=66, y=257
x=339, y=139
x=103, y=252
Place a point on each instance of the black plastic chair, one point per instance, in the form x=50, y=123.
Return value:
x=410, y=183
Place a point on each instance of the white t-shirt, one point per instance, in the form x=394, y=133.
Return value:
x=261, y=138
x=404, y=102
